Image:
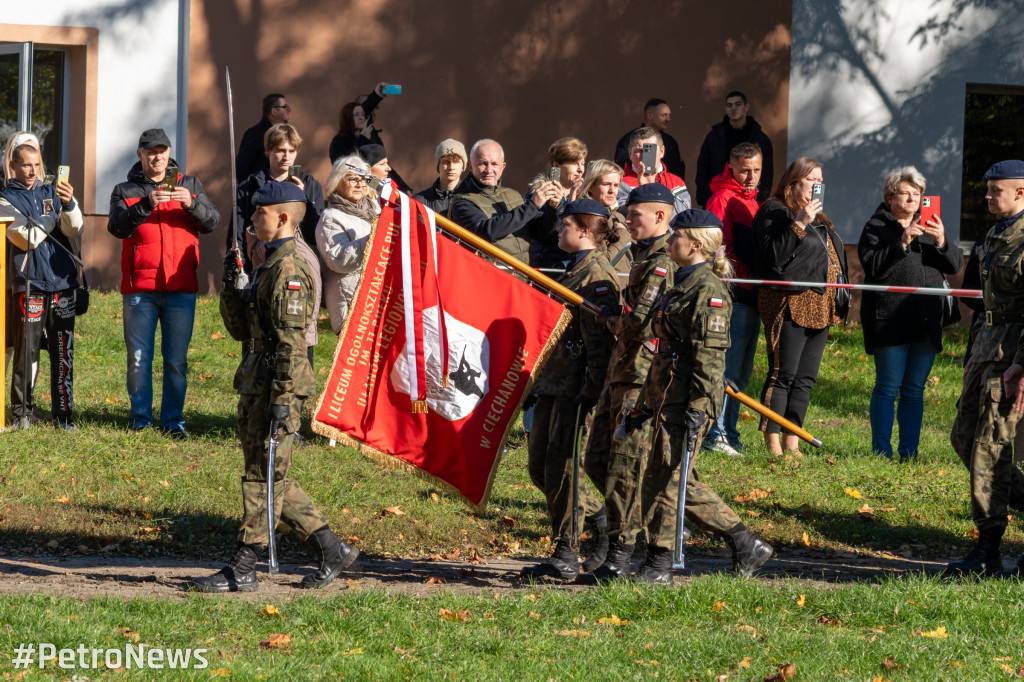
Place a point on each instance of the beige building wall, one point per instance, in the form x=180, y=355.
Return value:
x=522, y=73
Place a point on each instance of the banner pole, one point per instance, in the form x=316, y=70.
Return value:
x=4, y=222
x=514, y=263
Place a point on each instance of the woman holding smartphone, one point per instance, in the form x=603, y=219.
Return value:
x=902, y=331
x=601, y=183
x=797, y=242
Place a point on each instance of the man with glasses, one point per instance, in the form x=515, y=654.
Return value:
x=250, y=152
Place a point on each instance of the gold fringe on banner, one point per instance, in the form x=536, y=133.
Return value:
x=419, y=406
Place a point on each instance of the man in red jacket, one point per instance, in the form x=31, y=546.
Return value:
x=734, y=201
x=159, y=218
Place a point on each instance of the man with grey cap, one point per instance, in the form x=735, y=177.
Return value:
x=158, y=219
x=451, y=161
x=992, y=400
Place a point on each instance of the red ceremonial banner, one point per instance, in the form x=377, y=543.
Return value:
x=499, y=332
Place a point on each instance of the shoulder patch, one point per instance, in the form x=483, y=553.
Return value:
x=651, y=293
x=601, y=290
x=660, y=271
x=294, y=284
x=715, y=302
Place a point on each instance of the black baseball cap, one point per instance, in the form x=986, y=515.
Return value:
x=154, y=137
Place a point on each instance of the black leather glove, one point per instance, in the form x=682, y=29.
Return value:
x=530, y=401
x=635, y=418
x=586, y=404
x=278, y=413
x=693, y=420
x=231, y=267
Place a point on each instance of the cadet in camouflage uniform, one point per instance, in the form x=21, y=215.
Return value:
x=497, y=213
x=569, y=386
x=273, y=381
x=684, y=391
x=992, y=399
x=616, y=467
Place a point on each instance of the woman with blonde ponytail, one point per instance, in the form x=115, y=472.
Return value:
x=684, y=389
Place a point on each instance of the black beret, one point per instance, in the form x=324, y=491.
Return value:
x=651, y=193
x=695, y=217
x=1005, y=170
x=373, y=153
x=585, y=207
x=278, y=193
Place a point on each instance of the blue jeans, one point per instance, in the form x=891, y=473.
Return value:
x=903, y=371
x=744, y=328
x=176, y=313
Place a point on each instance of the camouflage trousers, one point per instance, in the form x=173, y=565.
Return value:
x=617, y=466
x=551, y=444
x=982, y=436
x=660, y=492
x=292, y=505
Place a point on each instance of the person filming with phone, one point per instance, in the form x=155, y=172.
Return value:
x=158, y=214
x=903, y=331
x=646, y=152
x=44, y=280
x=797, y=242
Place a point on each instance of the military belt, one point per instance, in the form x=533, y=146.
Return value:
x=993, y=318
x=255, y=346
x=668, y=347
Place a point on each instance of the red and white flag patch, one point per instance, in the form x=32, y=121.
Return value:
x=716, y=303
x=294, y=285
x=660, y=271
x=601, y=290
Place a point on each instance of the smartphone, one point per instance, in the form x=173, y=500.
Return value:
x=295, y=171
x=818, y=192
x=555, y=174
x=63, y=173
x=392, y=90
x=649, y=157
x=171, y=178
x=929, y=209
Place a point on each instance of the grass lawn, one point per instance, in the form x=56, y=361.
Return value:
x=103, y=491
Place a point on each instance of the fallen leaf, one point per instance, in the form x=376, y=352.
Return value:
x=830, y=461
x=128, y=634
x=801, y=601
x=435, y=497
x=891, y=664
x=937, y=633
x=220, y=672
x=271, y=612
x=63, y=499
x=216, y=335
x=751, y=512
x=807, y=539
x=434, y=580
x=786, y=672
x=718, y=606
x=854, y=493
x=575, y=633
x=474, y=557
x=508, y=521
x=164, y=484
x=533, y=614
x=612, y=620
x=753, y=495
x=825, y=620
x=973, y=533
x=396, y=510
x=744, y=662
x=460, y=616
x=277, y=640
x=353, y=652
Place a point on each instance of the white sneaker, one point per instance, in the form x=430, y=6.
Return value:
x=724, y=448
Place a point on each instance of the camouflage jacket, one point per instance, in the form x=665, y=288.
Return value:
x=271, y=316
x=692, y=323
x=650, y=276
x=1002, y=284
x=579, y=362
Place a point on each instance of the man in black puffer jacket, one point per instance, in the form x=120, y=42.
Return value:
x=736, y=127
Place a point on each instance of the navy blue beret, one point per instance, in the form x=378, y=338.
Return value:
x=1005, y=170
x=585, y=207
x=278, y=193
x=651, y=193
x=695, y=217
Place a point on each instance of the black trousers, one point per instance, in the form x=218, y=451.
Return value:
x=793, y=362
x=51, y=314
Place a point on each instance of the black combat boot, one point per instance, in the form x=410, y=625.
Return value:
x=984, y=559
x=657, y=567
x=564, y=565
x=749, y=552
x=600, y=522
x=335, y=556
x=1015, y=572
x=616, y=564
x=238, y=576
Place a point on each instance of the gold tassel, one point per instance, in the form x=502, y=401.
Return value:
x=419, y=407
x=444, y=380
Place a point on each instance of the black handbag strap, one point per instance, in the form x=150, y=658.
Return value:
x=76, y=248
